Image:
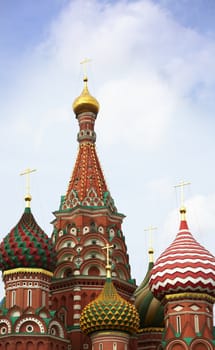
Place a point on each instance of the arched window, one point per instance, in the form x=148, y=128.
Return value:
x=178, y=324
x=13, y=298
x=29, y=297
x=209, y=322
x=43, y=298
x=196, y=323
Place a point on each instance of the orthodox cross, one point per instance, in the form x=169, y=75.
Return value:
x=151, y=251
x=108, y=247
x=150, y=229
x=181, y=185
x=27, y=172
x=84, y=63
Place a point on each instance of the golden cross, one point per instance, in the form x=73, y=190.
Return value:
x=150, y=229
x=108, y=266
x=84, y=63
x=181, y=185
x=27, y=172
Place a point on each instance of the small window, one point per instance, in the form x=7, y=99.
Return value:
x=209, y=322
x=13, y=301
x=29, y=298
x=43, y=298
x=29, y=328
x=3, y=330
x=196, y=323
x=178, y=324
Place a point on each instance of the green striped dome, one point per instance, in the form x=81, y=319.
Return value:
x=149, y=308
x=109, y=311
x=27, y=245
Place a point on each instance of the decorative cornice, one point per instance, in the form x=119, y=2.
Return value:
x=27, y=270
x=150, y=330
x=195, y=296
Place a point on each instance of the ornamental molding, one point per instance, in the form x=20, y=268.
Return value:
x=59, y=327
x=190, y=296
x=7, y=322
x=27, y=270
x=29, y=319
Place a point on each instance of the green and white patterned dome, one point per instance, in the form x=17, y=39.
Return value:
x=27, y=245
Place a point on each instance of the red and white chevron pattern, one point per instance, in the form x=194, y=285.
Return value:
x=185, y=266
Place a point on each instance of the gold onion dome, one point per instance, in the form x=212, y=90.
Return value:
x=85, y=102
x=109, y=311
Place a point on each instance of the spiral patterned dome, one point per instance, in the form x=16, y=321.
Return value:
x=109, y=311
x=150, y=310
x=185, y=266
x=27, y=245
x=85, y=102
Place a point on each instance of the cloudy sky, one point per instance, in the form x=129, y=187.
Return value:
x=153, y=73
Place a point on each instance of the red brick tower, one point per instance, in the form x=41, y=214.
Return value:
x=86, y=220
x=183, y=277
x=27, y=260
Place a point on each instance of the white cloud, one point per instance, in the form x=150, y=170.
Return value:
x=145, y=67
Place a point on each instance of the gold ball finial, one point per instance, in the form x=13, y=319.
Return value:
x=151, y=254
x=183, y=213
x=28, y=199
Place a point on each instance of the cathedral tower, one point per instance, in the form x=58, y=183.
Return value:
x=87, y=219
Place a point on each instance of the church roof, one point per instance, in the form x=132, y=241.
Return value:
x=27, y=245
x=85, y=102
x=185, y=266
x=87, y=185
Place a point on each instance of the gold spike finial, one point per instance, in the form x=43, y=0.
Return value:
x=181, y=185
x=27, y=172
x=151, y=250
x=108, y=247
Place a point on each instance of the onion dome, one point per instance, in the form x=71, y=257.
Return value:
x=149, y=308
x=27, y=245
x=85, y=102
x=109, y=311
x=185, y=266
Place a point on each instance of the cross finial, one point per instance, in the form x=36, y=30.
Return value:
x=108, y=247
x=84, y=63
x=27, y=172
x=181, y=185
x=150, y=229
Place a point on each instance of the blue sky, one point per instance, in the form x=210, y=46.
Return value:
x=153, y=73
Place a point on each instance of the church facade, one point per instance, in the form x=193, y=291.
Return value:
x=74, y=290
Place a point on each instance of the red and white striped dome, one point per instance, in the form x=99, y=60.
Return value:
x=185, y=266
